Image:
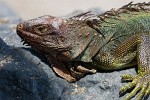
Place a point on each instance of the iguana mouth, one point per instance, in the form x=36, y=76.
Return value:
x=27, y=37
x=33, y=39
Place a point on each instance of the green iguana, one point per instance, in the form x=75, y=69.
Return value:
x=86, y=43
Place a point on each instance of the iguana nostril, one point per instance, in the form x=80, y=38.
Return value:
x=20, y=26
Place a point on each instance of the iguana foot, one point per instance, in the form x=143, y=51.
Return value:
x=140, y=83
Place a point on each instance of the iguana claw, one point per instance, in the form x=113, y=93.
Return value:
x=141, y=84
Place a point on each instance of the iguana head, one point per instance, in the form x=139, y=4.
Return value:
x=63, y=39
x=45, y=33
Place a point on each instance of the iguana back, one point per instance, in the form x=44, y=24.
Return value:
x=120, y=24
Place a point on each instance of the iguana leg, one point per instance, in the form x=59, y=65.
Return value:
x=136, y=50
x=142, y=81
x=85, y=70
x=66, y=70
x=78, y=70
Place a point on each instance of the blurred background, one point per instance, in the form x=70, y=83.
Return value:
x=28, y=9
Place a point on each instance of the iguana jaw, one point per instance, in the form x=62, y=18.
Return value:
x=28, y=37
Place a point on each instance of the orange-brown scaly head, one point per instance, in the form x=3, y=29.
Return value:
x=45, y=33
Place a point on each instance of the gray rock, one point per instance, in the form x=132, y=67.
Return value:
x=26, y=75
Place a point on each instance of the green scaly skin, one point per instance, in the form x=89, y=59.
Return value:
x=85, y=43
x=134, y=31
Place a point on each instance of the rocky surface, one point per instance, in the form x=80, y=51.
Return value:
x=26, y=75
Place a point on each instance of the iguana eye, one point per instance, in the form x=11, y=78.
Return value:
x=42, y=29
